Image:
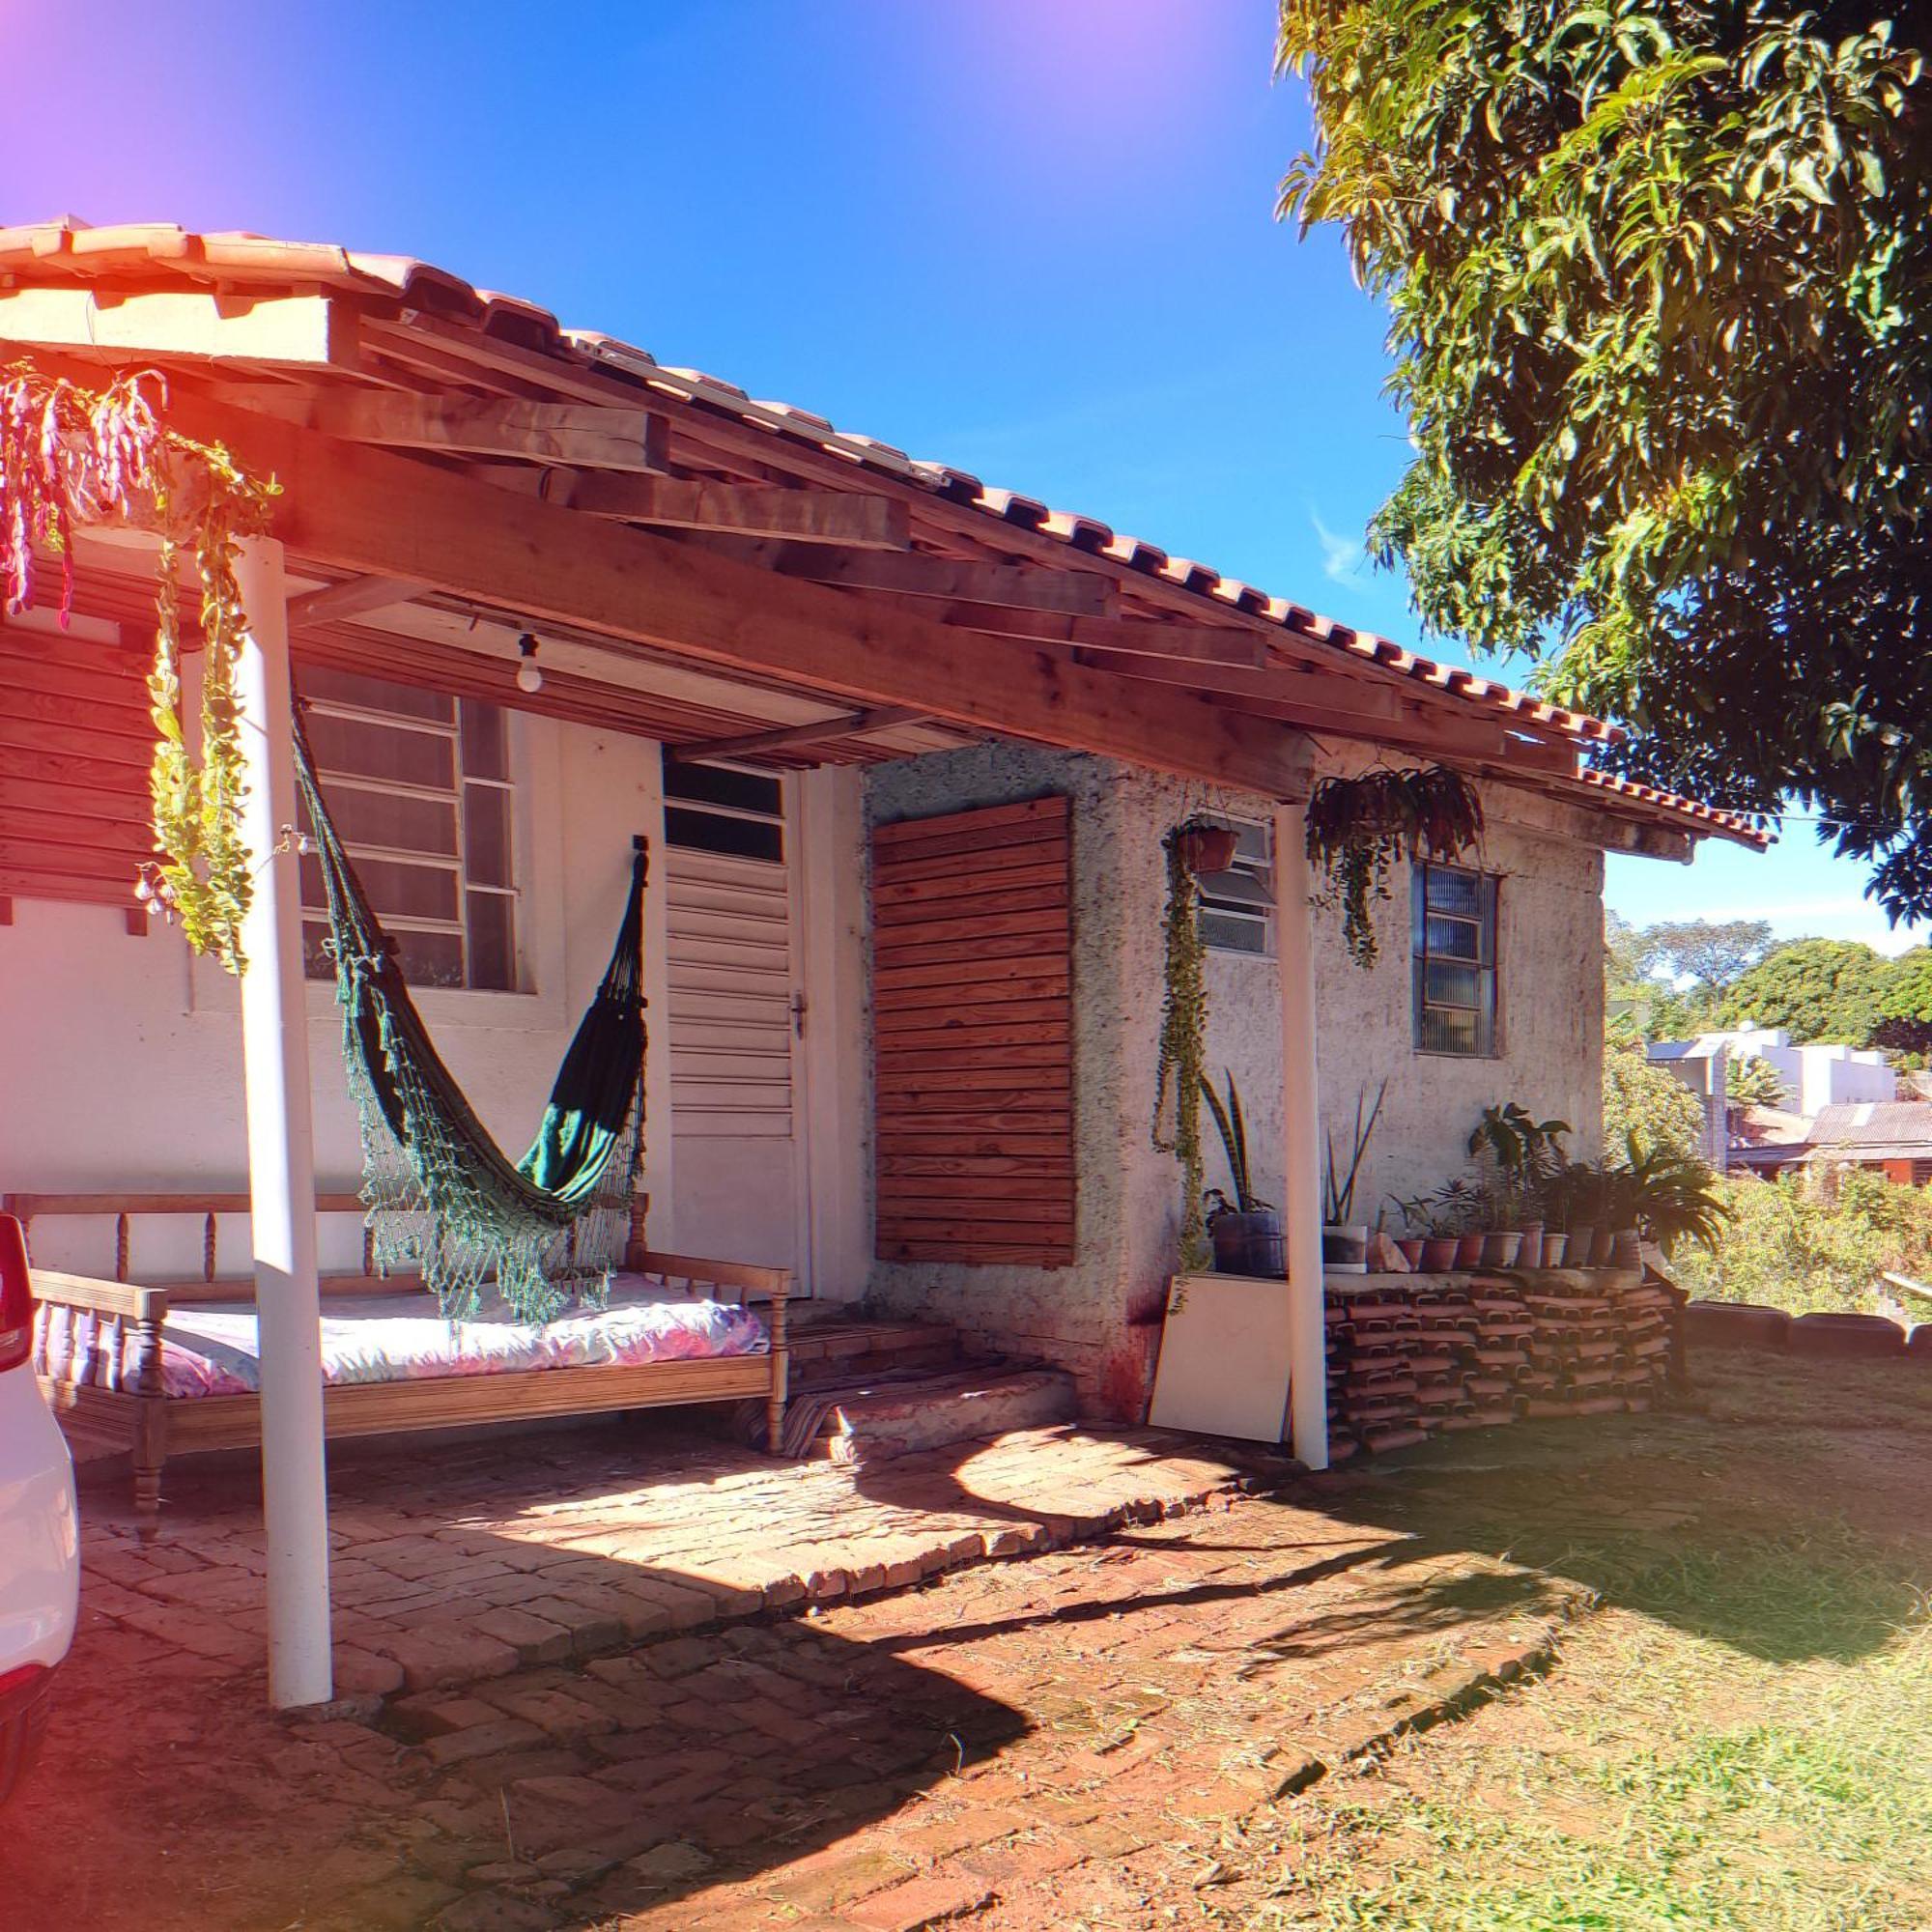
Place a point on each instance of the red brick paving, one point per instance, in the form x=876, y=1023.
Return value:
x=461, y=1563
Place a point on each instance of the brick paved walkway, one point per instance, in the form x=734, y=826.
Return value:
x=1038, y=1744
x=455, y=1564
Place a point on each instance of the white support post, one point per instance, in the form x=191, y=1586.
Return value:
x=1302, y=1143
x=281, y=1154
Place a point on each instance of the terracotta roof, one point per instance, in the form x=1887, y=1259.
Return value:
x=155, y=251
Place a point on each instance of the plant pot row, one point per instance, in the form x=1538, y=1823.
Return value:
x=1344, y=1250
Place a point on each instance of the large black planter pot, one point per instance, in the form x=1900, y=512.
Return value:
x=1248, y=1244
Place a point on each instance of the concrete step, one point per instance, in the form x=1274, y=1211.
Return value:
x=961, y=1405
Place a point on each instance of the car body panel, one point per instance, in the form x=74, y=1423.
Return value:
x=39, y=1528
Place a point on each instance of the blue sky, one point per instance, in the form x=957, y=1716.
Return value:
x=1033, y=238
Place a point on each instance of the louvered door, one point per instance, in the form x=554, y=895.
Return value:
x=974, y=1035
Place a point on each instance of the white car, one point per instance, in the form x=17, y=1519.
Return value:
x=40, y=1525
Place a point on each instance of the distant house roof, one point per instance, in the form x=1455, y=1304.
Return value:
x=1874, y=1127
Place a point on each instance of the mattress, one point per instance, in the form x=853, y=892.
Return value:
x=211, y=1348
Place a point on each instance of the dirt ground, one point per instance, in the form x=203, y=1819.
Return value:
x=1472, y=1684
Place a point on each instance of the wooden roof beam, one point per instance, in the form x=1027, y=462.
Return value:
x=352, y=597
x=1023, y=586
x=795, y=737
x=586, y=435
x=369, y=511
x=727, y=509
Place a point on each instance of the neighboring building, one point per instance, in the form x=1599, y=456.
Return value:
x=771, y=649
x=1702, y=1066
x=1816, y=1076
x=1892, y=1138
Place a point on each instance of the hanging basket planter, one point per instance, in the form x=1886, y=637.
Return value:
x=1205, y=847
x=1358, y=828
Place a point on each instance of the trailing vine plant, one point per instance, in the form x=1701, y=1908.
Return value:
x=70, y=456
x=1358, y=827
x=1184, y=1025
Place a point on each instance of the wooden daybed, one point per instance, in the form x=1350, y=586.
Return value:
x=138, y=1417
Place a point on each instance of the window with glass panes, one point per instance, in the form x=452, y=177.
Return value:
x=1237, y=905
x=1454, y=943
x=418, y=784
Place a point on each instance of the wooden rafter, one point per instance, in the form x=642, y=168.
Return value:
x=728, y=509
x=1082, y=592
x=797, y=737
x=352, y=597
x=353, y=508
x=583, y=434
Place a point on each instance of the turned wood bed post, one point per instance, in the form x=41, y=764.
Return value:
x=150, y=1444
x=775, y=1405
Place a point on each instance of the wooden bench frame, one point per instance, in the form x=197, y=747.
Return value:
x=141, y=1419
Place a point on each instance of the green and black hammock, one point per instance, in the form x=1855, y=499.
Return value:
x=442, y=1197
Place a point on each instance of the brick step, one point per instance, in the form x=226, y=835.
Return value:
x=959, y=1404
x=836, y=1346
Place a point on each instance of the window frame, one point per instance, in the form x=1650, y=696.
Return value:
x=1485, y=961
x=690, y=806
x=1259, y=866
x=457, y=797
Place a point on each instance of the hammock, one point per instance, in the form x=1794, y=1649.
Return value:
x=442, y=1197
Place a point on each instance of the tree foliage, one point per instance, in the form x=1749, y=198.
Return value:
x=1755, y=1083
x=1822, y=989
x=1646, y=1108
x=1795, y=1245
x=1661, y=286
x=1713, y=952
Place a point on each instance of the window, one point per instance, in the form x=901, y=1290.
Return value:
x=1237, y=905
x=1453, y=942
x=720, y=808
x=418, y=784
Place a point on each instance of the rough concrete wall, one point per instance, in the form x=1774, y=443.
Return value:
x=1099, y=1317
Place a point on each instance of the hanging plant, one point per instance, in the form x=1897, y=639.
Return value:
x=1205, y=845
x=1184, y=1027
x=1357, y=828
x=70, y=456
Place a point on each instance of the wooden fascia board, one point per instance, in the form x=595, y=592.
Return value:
x=100, y=324
x=1023, y=586
x=1326, y=694
x=353, y=508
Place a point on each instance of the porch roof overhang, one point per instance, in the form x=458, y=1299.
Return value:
x=734, y=577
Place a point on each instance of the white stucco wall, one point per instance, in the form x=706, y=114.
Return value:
x=121, y=1058
x=1096, y=1316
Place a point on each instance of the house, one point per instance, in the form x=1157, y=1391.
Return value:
x=1888, y=1137
x=768, y=647
x=1703, y=1065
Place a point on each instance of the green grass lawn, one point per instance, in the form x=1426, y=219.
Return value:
x=1739, y=1737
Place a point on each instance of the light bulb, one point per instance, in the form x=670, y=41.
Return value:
x=528, y=676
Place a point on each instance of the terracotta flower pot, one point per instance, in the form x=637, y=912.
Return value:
x=1530, y=1253
x=1413, y=1249
x=1206, y=848
x=1470, y=1251
x=1627, y=1248
x=1581, y=1252
x=1438, y=1254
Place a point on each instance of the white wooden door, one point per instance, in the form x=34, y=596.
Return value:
x=736, y=1007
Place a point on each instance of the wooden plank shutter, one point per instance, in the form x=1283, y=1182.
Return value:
x=974, y=1035
x=75, y=744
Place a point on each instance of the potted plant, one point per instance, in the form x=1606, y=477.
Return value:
x=1434, y=1236
x=1206, y=846
x=1517, y=1154
x=1344, y=1242
x=1671, y=1201
x=1246, y=1231
x=1450, y=1222
x=1357, y=828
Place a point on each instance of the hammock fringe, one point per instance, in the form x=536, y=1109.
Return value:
x=442, y=1197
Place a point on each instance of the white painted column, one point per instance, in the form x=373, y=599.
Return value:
x=1301, y=1141
x=281, y=1156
